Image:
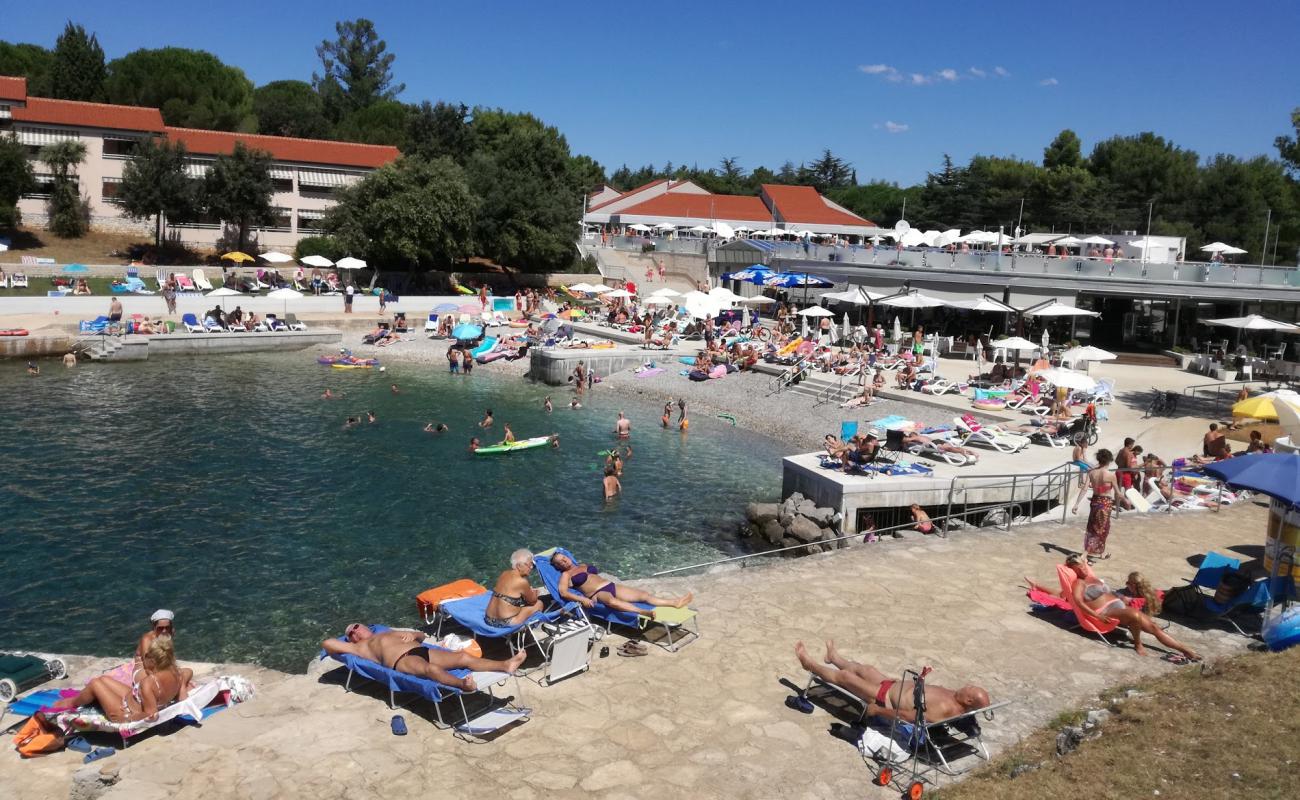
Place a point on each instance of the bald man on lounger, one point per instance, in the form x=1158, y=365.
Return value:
x=890, y=698
x=404, y=651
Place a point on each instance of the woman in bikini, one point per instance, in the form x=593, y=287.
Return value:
x=1094, y=598
x=155, y=685
x=1105, y=491
x=583, y=584
x=513, y=598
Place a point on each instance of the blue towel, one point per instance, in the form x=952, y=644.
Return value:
x=26, y=706
x=471, y=611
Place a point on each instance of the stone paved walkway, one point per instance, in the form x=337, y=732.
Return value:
x=709, y=721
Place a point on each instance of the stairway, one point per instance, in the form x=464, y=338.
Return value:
x=100, y=348
x=824, y=388
x=1145, y=359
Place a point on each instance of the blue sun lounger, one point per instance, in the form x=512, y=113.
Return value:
x=541, y=630
x=496, y=715
x=678, y=635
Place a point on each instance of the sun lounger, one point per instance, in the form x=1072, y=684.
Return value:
x=293, y=323
x=673, y=621
x=201, y=280
x=19, y=281
x=942, y=386
x=996, y=438
x=1090, y=624
x=494, y=716
x=202, y=702
x=97, y=325
x=191, y=323
x=1261, y=592
x=542, y=630
x=136, y=286
x=183, y=281
x=931, y=449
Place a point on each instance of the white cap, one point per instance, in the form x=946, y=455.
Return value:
x=162, y=614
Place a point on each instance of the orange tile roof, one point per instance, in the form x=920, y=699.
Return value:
x=628, y=193
x=805, y=204
x=78, y=114
x=284, y=148
x=702, y=206
x=13, y=88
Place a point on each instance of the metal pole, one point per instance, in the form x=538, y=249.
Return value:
x=1013, y=493
x=1178, y=304
x=1268, y=223
x=1146, y=243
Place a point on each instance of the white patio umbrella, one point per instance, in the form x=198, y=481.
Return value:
x=856, y=295
x=223, y=293
x=1045, y=342
x=847, y=329
x=724, y=295
x=348, y=262
x=284, y=294
x=1220, y=247
x=623, y=293
x=983, y=304
x=1056, y=308
x=1087, y=353
x=665, y=292
x=1068, y=241
x=1015, y=344
x=275, y=258
x=758, y=299
x=723, y=230
x=699, y=229
x=898, y=329
x=1068, y=379
x=913, y=238
x=803, y=328
x=665, y=226
x=1097, y=240
x=815, y=311
x=659, y=301
x=580, y=287
x=317, y=261
x=1253, y=322
x=639, y=227
x=914, y=299
x=599, y=288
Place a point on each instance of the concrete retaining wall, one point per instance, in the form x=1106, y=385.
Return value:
x=35, y=346
x=553, y=367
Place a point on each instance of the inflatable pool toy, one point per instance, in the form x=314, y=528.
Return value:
x=728, y=417
x=348, y=360
x=351, y=366
x=521, y=444
x=990, y=403
x=518, y=323
x=463, y=289
x=1283, y=631
x=485, y=348
x=14, y=332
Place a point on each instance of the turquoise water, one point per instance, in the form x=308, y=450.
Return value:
x=225, y=489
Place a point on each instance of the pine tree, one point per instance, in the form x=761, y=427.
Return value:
x=78, y=71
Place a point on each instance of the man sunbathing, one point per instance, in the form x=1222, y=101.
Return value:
x=890, y=698
x=402, y=651
x=583, y=584
x=914, y=438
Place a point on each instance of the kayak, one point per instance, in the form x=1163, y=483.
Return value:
x=350, y=366
x=518, y=444
x=374, y=362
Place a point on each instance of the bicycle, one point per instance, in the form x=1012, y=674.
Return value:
x=1162, y=403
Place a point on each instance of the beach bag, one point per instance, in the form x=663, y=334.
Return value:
x=35, y=739
x=1184, y=601
x=1230, y=587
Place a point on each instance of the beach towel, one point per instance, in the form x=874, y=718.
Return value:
x=646, y=373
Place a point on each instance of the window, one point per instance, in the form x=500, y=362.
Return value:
x=282, y=184
x=310, y=221
x=118, y=147
x=111, y=189
x=281, y=219
x=44, y=185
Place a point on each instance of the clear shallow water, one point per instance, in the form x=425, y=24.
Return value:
x=224, y=489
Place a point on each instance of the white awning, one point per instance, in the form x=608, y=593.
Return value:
x=118, y=137
x=313, y=215
x=281, y=173
x=111, y=179
x=197, y=169
x=39, y=137
x=326, y=178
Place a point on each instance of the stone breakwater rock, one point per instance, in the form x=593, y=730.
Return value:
x=762, y=513
x=793, y=522
x=89, y=782
x=805, y=530
x=773, y=532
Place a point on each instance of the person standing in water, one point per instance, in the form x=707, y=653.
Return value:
x=546, y=404
x=611, y=483
x=668, y=414
x=623, y=427
x=487, y=419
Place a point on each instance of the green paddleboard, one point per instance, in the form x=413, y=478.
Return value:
x=520, y=444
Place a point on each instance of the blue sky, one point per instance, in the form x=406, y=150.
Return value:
x=889, y=86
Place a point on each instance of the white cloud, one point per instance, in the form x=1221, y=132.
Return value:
x=977, y=72
x=1001, y=72
x=896, y=127
x=1048, y=82
x=948, y=74
x=877, y=69
x=918, y=79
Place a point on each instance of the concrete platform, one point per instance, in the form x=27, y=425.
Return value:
x=139, y=348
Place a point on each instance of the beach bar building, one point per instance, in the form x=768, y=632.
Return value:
x=307, y=173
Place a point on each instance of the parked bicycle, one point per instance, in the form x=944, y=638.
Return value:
x=1162, y=403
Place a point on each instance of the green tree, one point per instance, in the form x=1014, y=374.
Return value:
x=30, y=61
x=1066, y=199
x=880, y=202
x=238, y=189
x=155, y=184
x=587, y=172
x=530, y=198
x=1136, y=170
x=290, y=108
x=995, y=188
x=412, y=212
x=384, y=122
x=326, y=246
x=1288, y=147
x=193, y=89
x=357, y=70
x=826, y=173
x=16, y=179
x=1065, y=151
x=945, y=196
x=78, y=71
x=1233, y=202
x=69, y=212
x=440, y=129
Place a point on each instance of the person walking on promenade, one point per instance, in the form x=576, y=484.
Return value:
x=1105, y=488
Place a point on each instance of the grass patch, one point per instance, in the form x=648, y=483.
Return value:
x=1073, y=716
x=1229, y=731
x=96, y=247
x=38, y=285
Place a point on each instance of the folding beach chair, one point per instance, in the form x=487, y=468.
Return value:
x=497, y=714
x=675, y=622
x=558, y=623
x=1068, y=578
x=201, y=702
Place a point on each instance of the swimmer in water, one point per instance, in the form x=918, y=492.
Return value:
x=394, y=389
x=32, y=369
x=473, y=444
x=328, y=395
x=623, y=427
x=547, y=404
x=616, y=461
x=612, y=486
x=681, y=409
x=351, y=422
x=432, y=428
x=555, y=441
x=370, y=417
x=574, y=404
x=668, y=414
x=487, y=419
x=510, y=435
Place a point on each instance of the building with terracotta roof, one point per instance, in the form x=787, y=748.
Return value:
x=307, y=173
x=684, y=204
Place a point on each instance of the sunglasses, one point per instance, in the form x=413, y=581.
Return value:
x=351, y=630
x=163, y=628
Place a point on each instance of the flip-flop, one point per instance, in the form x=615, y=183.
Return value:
x=98, y=753
x=631, y=652
x=799, y=703
x=1178, y=659
x=398, y=725
x=77, y=744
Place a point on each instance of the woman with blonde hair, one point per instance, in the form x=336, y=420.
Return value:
x=155, y=685
x=1138, y=586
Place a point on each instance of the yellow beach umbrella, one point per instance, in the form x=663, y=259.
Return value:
x=1263, y=406
x=237, y=256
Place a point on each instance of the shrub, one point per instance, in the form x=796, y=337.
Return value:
x=318, y=246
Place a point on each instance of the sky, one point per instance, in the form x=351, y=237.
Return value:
x=890, y=87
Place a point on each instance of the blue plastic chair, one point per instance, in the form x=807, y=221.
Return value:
x=1210, y=574
x=1261, y=594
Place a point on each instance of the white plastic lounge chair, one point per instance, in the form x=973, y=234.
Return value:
x=431, y=324
x=941, y=386
x=201, y=280
x=225, y=690
x=935, y=450
x=294, y=323
x=1000, y=440
x=20, y=280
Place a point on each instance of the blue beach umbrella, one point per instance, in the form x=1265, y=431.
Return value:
x=1274, y=474
x=754, y=274
x=786, y=280
x=467, y=332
